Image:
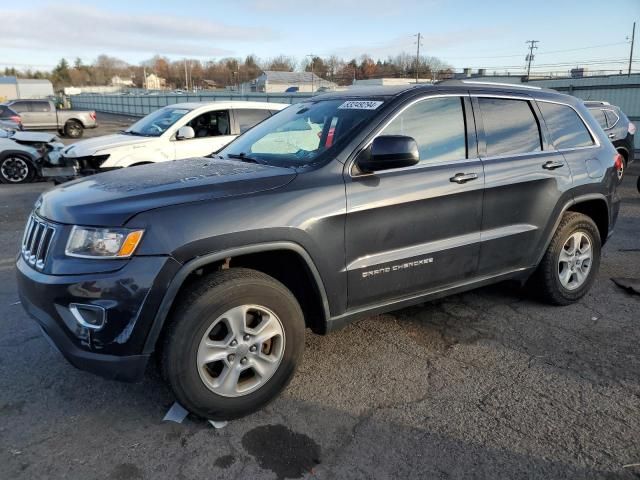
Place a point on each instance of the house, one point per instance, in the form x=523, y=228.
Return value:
x=154, y=82
x=278, y=82
x=117, y=81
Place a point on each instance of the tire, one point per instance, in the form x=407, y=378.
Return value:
x=16, y=169
x=554, y=281
x=200, y=316
x=73, y=129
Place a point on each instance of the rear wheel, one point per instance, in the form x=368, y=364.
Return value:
x=73, y=129
x=233, y=344
x=570, y=265
x=16, y=169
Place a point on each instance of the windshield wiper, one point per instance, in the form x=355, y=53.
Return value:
x=243, y=157
x=131, y=132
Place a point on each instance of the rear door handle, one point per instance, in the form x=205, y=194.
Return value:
x=463, y=177
x=612, y=135
x=552, y=165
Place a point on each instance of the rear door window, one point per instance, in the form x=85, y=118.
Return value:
x=20, y=107
x=565, y=126
x=437, y=126
x=510, y=126
x=248, y=117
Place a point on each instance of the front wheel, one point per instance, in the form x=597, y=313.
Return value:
x=16, y=169
x=73, y=129
x=233, y=344
x=570, y=265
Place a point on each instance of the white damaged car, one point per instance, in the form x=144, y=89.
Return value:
x=174, y=132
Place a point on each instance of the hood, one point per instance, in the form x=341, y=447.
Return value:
x=90, y=146
x=111, y=198
x=34, y=137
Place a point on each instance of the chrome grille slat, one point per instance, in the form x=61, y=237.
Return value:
x=36, y=241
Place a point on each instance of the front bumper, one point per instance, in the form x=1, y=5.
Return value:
x=130, y=298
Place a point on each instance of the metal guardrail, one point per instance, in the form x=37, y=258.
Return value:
x=140, y=105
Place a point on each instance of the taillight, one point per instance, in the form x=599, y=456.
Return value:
x=618, y=163
x=92, y=115
x=631, y=128
x=15, y=118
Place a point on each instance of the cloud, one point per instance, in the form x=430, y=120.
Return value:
x=77, y=28
x=370, y=8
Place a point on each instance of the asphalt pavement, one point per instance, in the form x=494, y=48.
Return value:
x=486, y=384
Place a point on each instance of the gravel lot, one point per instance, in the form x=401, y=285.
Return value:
x=487, y=384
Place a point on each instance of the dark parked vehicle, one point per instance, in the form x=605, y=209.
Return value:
x=9, y=119
x=617, y=126
x=343, y=206
x=43, y=115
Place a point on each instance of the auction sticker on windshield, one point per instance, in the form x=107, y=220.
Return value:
x=360, y=105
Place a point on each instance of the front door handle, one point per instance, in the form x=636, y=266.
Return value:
x=612, y=135
x=463, y=177
x=552, y=165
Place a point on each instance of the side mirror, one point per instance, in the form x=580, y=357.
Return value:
x=185, y=133
x=389, y=151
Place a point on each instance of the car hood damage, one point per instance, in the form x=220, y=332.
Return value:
x=92, y=145
x=112, y=198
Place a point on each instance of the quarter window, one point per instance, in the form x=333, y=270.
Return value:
x=565, y=126
x=20, y=107
x=510, y=126
x=437, y=125
x=599, y=116
x=612, y=118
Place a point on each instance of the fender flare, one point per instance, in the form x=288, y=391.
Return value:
x=200, y=261
x=574, y=201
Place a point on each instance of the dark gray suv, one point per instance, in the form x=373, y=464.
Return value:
x=343, y=206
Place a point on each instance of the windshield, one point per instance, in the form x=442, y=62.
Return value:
x=301, y=133
x=156, y=123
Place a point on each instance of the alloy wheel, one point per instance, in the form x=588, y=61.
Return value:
x=574, y=263
x=14, y=169
x=241, y=350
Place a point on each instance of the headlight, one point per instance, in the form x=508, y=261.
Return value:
x=85, y=242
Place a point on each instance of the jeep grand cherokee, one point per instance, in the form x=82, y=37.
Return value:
x=349, y=204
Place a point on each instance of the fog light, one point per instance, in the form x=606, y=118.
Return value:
x=89, y=316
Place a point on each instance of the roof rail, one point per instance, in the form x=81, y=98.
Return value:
x=596, y=102
x=511, y=85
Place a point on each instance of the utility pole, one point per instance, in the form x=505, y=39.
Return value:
x=418, y=56
x=311, y=56
x=529, y=57
x=144, y=77
x=186, y=79
x=633, y=38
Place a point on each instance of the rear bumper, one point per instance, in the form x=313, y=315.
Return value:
x=129, y=298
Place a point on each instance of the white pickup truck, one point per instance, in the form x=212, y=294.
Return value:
x=174, y=132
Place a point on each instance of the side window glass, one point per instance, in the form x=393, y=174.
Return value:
x=40, y=107
x=612, y=118
x=20, y=107
x=510, y=126
x=211, y=124
x=566, y=127
x=438, y=127
x=248, y=117
x=600, y=117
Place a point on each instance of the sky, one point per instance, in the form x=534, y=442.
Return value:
x=464, y=33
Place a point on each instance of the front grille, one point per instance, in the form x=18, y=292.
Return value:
x=38, y=236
